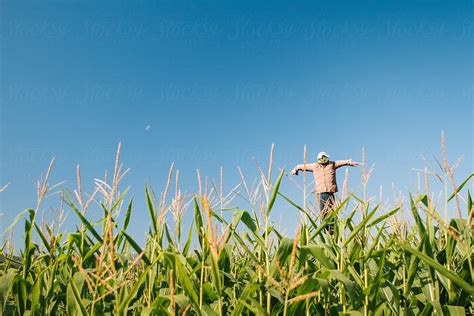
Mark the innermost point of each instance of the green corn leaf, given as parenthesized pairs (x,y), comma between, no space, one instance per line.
(383,217)
(167,234)
(252,226)
(318,253)
(348,284)
(216,279)
(128,214)
(75,304)
(273,195)
(72,239)
(137,248)
(20,294)
(459,188)
(29,246)
(249,222)
(392,295)
(43,238)
(374,243)
(118,239)
(218,217)
(92,250)
(255,307)
(328,219)
(377,280)
(324,284)
(455,310)
(151,210)
(440,269)
(349,218)
(355,275)
(198,221)
(284,250)
(124,304)
(432,306)
(299,208)
(236,217)
(15,221)
(250,288)
(246,249)
(35,297)
(186,281)
(208,311)
(83,219)
(358,199)
(469,202)
(359,227)
(413,269)
(120,198)
(272,229)
(197,215)
(6,283)
(187,245)
(427,249)
(418,220)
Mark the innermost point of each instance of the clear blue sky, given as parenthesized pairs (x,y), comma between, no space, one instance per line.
(219,82)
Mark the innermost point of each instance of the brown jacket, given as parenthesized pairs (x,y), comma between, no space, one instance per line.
(325,175)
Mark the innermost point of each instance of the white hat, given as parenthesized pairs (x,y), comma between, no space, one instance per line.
(322,154)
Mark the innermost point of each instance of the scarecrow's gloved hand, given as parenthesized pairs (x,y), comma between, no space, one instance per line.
(355,163)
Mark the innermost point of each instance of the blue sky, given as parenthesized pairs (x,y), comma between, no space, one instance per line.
(219,82)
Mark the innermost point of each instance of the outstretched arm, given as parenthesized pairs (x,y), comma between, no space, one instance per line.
(303,167)
(341,163)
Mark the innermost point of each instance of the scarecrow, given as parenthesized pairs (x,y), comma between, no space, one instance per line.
(324,171)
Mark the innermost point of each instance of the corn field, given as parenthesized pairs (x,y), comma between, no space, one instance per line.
(409,259)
